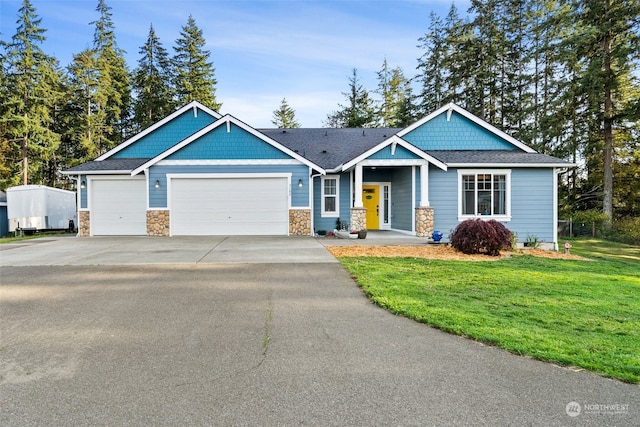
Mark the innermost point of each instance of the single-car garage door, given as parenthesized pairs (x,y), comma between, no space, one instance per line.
(229,206)
(118,207)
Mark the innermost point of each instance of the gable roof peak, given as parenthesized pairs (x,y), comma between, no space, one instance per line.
(450,108)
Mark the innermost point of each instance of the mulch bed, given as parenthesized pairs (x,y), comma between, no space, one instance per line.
(441,252)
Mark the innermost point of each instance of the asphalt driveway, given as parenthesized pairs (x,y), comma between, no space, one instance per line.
(251,332)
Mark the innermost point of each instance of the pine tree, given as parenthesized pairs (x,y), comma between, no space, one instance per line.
(285,116)
(359,111)
(113,77)
(152,83)
(32,85)
(194,74)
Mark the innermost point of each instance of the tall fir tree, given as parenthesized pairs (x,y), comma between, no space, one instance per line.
(359,111)
(431,66)
(32,88)
(393,89)
(285,116)
(113,77)
(152,83)
(194,78)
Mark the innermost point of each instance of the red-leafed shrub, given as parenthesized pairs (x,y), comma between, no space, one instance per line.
(476,236)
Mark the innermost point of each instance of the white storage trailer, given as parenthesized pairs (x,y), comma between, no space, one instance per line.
(38,207)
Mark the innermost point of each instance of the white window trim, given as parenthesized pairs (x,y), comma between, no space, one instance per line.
(323,212)
(506,172)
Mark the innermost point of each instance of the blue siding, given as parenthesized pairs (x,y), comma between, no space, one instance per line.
(531,202)
(166,136)
(459,133)
(220,144)
(329,224)
(83,194)
(299,196)
(401,199)
(401,153)
(443,196)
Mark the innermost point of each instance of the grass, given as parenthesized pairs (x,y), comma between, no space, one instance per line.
(583,314)
(12,239)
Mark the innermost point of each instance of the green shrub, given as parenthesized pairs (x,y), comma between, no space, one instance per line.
(476,236)
(628,228)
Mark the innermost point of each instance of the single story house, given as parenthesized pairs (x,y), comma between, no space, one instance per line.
(198,172)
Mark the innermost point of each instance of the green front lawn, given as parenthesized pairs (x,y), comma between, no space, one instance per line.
(574,313)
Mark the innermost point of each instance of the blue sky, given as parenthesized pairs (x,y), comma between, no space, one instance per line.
(262,51)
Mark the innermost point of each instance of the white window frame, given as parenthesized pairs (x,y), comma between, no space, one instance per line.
(324,212)
(464,172)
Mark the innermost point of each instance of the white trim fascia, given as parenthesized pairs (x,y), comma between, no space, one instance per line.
(508,165)
(236,162)
(401,162)
(226,119)
(395,139)
(192,105)
(475,119)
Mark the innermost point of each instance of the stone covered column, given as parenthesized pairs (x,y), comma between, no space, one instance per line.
(424,221)
(158,222)
(300,222)
(358,220)
(84,224)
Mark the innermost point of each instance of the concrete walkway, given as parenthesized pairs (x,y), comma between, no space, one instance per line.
(220,337)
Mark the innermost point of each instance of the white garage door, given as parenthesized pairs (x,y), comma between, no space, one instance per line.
(118,207)
(229,206)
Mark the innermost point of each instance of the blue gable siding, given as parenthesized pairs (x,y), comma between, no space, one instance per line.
(401,153)
(166,136)
(222,145)
(459,133)
(299,196)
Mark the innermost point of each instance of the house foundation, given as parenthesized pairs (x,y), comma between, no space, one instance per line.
(299,222)
(158,223)
(424,221)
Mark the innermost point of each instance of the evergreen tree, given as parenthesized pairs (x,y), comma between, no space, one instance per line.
(113,78)
(31,85)
(152,83)
(359,111)
(431,66)
(393,88)
(194,74)
(608,43)
(285,116)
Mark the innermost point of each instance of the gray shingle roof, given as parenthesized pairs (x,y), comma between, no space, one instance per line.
(330,147)
(506,157)
(119,165)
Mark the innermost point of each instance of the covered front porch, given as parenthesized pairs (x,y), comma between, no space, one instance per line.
(391,195)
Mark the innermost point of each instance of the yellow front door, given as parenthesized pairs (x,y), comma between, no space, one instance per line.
(371,201)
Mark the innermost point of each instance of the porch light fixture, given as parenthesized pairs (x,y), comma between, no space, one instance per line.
(157,183)
(83,184)
(300,183)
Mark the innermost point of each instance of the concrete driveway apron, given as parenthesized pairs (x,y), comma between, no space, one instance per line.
(251,331)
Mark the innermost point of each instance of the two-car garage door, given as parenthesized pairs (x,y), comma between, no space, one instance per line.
(229,205)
